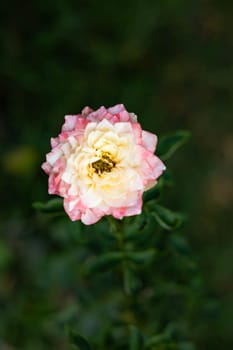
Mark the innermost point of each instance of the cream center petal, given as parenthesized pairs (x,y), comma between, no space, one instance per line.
(119,183)
(103,169)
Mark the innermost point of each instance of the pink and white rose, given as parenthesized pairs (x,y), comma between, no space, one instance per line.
(101,163)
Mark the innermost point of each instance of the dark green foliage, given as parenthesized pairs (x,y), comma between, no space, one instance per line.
(119,278)
(166,218)
(103,262)
(52,206)
(137,267)
(136,341)
(77,341)
(170,143)
(141,257)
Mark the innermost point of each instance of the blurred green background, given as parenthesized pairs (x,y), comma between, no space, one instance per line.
(168,61)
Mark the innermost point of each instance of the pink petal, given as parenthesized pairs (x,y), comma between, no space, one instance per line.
(70,121)
(149,140)
(117,109)
(89,217)
(72,208)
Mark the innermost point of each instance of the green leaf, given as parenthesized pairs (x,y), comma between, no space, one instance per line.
(167,179)
(180,245)
(185,346)
(166,218)
(78,341)
(131,282)
(170,143)
(136,341)
(142,257)
(52,206)
(133,226)
(158,340)
(153,193)
(103,262)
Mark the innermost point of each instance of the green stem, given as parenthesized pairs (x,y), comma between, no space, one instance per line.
(116,228)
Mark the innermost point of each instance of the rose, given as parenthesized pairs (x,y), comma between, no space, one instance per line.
(101,163)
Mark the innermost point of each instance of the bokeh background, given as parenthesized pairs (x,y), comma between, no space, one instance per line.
(170,62)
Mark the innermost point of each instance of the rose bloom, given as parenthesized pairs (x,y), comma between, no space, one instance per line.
(101,163)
